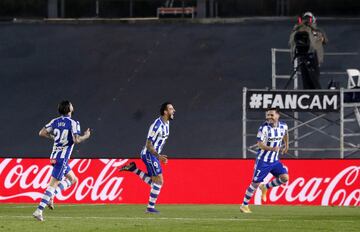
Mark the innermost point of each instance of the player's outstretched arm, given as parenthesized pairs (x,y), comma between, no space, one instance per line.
(150,147)
(82,138)
(44,133)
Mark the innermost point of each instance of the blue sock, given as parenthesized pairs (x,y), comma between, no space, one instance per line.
(46,197)
(62,185)
(145,177)
(154,193)
(275,182)
(249,193)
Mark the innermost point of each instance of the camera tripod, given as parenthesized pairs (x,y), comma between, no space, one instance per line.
(309,71)
(297,64)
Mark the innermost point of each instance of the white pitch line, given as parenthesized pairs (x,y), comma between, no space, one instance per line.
(179,219)
(143,218)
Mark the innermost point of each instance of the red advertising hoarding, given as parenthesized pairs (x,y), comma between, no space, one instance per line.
(198,181)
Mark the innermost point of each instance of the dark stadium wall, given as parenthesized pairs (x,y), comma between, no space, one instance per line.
(117,75)
(147,8)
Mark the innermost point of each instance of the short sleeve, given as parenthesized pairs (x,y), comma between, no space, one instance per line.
(78,128)
(154,131)
(286,128)
(75,127)
(262,133)
(50,126)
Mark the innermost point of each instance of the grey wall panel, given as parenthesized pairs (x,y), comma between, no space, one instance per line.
(117,75)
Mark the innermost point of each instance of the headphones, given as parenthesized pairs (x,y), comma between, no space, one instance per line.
(300,20)
(311,18)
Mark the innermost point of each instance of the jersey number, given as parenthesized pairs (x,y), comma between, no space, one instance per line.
(62,136)
(258,172)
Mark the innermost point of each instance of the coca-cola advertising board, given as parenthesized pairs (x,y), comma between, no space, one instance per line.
(198,181)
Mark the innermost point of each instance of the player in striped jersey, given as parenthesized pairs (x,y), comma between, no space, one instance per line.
(272,133)
(65,132)
(151,154)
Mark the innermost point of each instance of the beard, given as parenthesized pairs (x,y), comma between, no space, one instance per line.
(171,117)
(270,121)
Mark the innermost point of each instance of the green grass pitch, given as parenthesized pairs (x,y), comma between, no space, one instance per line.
(199,218)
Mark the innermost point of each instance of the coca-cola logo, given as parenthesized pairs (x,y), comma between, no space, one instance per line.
(342,189)
(32,180)
(24,180)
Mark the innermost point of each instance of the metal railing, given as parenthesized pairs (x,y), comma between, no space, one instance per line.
(340,128)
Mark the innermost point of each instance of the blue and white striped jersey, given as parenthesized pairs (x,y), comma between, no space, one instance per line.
(158,134)
(273,137)
(63,128)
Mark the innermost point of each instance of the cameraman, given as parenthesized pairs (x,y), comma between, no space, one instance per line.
(306,45)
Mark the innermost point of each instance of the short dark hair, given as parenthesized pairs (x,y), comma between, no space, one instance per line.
(64,107)
(276,109)
(164,107)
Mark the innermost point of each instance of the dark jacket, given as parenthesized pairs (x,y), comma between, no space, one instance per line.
(316,36)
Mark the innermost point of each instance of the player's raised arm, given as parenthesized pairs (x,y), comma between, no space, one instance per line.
(46,134)
(81,138)
(46,131)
